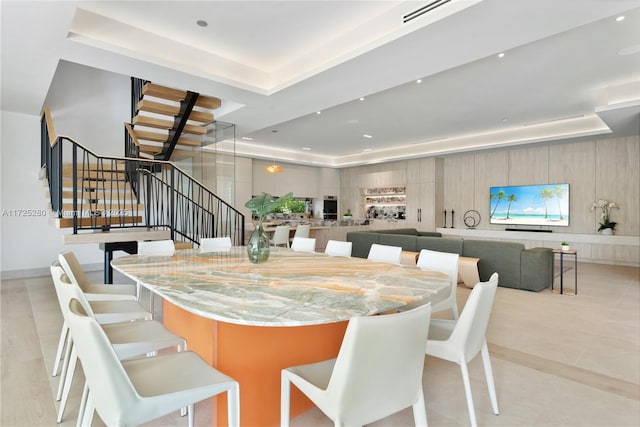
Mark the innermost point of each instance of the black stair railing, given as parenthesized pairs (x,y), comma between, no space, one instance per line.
(101,193)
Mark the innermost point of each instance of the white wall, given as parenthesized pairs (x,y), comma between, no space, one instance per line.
(27,242)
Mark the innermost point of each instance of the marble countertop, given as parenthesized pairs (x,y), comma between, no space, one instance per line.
(290,289)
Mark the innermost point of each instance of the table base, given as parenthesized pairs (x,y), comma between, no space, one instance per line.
(254,356)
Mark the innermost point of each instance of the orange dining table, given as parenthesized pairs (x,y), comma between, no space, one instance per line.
(252,320)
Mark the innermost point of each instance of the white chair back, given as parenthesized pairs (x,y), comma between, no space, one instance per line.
(385,253)
(303,244)
(156,247)
(281,236)
(459,341)
(73,269)
(446,263)
(302,230)
(469,333)
(212,244)
(379,356)
(338,248)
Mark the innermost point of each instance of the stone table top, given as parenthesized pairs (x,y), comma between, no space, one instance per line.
(290,289)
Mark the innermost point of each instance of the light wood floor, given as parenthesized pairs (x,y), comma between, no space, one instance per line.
(558,360)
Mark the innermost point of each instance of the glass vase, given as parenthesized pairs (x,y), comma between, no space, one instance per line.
(258,246)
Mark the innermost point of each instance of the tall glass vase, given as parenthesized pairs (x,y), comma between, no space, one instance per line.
(258,246)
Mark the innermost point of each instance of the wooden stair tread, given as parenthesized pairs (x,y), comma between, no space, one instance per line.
(163,138)
(98,221)
(95,175)
(121,194)
(118,167)
(123,235)
(183,245)
(103,205)
(158,91)
(170,110)
(98,185)
(156,123)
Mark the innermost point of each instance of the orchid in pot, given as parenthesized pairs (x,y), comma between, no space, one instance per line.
(606,225)
(258,244)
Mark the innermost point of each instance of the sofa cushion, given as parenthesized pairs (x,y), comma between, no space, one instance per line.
(362,241)
(430,233)
(406,231)
(536,269)
(407,243)
(439,244)
(503,257)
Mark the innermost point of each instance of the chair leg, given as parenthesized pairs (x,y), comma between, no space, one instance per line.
(285,395)
(83,404)
(233,405)
(488,372)
(63,339)
(191,411)
(87,419)
(467,391)
(67,380)
(420,411)
(65,366)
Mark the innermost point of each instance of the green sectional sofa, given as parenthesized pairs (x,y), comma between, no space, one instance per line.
(519,268)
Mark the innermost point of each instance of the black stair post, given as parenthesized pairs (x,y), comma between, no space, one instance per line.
(186,107)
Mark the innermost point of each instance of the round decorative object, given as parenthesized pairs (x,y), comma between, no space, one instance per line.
(471,218)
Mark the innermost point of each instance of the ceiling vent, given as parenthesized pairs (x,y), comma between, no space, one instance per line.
(422,10)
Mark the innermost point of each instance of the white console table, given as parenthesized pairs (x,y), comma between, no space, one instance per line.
(621,250)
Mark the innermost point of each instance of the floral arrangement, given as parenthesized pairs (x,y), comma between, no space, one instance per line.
(605,216)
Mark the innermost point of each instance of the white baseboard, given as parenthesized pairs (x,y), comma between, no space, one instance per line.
(40,272)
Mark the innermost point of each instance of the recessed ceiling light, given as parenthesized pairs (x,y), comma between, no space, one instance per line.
(367,149)
(620,18)
(501,55)
(629,50)
(318,112)
(366,135)
(361,99)
(202,23)
(306,148)
(247,138)
(419,81)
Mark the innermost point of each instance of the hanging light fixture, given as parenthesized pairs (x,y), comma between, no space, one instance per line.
(273,168)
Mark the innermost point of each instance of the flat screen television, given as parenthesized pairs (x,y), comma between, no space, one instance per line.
(545,204)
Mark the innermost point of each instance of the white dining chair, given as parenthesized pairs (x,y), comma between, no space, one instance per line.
(461,340)
(280,236)
(378,371)
(302,230)
(385,253)
(155,248)
(129,339)
(92,291)
(303,244)
(215,244)
(446,263)
(132,392)
(338,248)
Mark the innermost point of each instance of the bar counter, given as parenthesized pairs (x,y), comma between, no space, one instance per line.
(252,320)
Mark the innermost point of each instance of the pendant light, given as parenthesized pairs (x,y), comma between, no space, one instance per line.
(273,168)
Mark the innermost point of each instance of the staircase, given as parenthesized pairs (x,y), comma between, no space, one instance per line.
(166,120)
(121,199)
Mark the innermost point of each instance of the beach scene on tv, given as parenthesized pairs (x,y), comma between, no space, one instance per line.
(546,204)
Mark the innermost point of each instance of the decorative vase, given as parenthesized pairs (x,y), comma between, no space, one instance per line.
(258,246)
(608,231)
(565,247)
